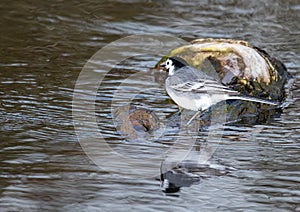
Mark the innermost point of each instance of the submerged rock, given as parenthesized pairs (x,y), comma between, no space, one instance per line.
(135,123)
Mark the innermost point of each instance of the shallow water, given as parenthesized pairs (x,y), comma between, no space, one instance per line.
(44,46)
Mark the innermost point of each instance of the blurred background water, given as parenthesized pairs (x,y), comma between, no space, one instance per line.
(45,44)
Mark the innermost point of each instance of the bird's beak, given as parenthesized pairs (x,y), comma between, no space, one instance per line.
(162,65)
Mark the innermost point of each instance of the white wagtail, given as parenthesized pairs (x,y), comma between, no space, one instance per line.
(192,89)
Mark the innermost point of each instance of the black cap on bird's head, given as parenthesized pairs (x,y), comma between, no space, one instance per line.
(173,63)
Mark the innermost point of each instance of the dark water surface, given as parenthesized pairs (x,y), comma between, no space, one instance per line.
(45,44)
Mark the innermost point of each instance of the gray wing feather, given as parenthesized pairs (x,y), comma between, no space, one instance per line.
(203,86)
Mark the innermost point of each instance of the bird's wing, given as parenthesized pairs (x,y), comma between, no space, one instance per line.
(188,79)
(188,86)
(217,87)
(203,86)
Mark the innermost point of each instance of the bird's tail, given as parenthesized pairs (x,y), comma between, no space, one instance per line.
(254,99)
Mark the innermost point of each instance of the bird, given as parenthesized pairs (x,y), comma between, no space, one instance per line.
(192,89)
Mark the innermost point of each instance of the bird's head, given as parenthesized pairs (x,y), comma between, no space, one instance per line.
(173,63)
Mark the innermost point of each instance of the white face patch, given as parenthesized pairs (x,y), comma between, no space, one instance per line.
(170,66)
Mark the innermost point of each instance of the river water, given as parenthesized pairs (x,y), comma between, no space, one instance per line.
(44,46)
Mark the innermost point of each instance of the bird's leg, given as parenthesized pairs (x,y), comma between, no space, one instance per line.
(194,116)
(180,109)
